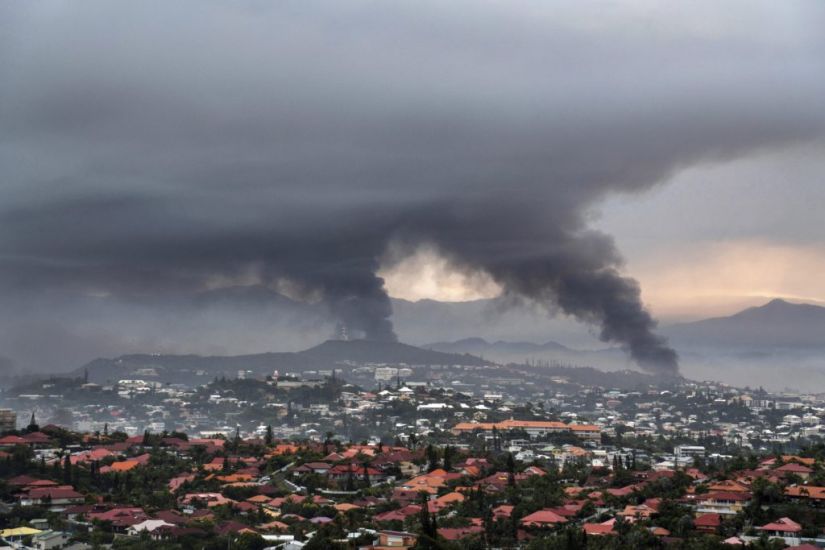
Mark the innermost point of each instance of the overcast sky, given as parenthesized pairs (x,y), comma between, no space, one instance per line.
(554,151)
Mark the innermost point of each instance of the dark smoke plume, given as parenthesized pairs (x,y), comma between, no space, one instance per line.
(152,151)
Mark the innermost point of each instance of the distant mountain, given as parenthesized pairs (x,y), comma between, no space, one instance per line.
(495,319)
(189,368)
(777,324)
(550,352)
(365,351)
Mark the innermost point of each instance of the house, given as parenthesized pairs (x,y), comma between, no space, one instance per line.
(728,486)
(37,439)
(503,511)
(210,499)
(12,441)
(345,507)
(707,523)
(274,526)
(342,472)
(120,466)
(320,468)
(48,540)
(783,527)
(792,468)
(809,493)
(55,498)
(399,515)
(429,483)
(801,460)
(442,502)
(121,517)
(600,529)
(149,525)
(28,482)
(640,511)
(396,539)
(724,503)
(171,516)
(586,432)
(543,519)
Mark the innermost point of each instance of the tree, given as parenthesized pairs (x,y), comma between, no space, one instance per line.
(67,470)
(268,437)
(236,443)
(32,427)
(350,479)
(496,439)
(366,474)
(511,470)
(448,458)
(432,458)
(428,532)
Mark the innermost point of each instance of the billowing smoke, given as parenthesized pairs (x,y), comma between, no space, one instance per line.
(158,150)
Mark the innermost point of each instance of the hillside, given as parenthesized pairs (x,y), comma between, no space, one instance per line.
(364,351)
(504,351)
(198,368)
(777,324)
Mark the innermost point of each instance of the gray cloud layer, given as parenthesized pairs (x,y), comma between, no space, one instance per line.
(152,149)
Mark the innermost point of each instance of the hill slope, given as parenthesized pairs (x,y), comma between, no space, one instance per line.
(777,324)
(197,368)
(504,351)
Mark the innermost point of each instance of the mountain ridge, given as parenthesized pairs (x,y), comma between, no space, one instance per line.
(175,368)
(775,324)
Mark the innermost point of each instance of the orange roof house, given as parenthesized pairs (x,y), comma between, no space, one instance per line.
(120,466)
(809,492)
(543,518)
(793,468)
(729,486)
(801,460)
(284,449)
(444,501)
(345,507)
(600,529)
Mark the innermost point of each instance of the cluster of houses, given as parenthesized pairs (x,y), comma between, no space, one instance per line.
(287,492)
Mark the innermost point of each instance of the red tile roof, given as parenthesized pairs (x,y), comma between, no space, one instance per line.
(542,518)
(599,529)
(708,520)
(782,525)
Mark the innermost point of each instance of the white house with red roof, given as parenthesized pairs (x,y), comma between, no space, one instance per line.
(784,528)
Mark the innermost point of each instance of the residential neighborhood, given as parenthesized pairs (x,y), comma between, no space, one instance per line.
(327,464)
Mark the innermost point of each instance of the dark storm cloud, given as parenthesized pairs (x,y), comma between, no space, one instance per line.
(156,148)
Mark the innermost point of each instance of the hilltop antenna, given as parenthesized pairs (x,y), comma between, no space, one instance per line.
(342,333)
